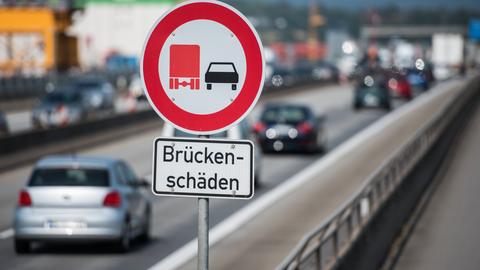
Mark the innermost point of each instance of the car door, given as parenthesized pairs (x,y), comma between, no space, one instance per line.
(138,201)
(127,191)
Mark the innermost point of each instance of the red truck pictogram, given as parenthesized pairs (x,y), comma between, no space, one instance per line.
(184,66)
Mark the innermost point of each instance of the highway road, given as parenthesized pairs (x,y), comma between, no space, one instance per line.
(446,235)
(175,218)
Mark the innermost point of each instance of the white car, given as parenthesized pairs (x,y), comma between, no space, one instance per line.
(242,131)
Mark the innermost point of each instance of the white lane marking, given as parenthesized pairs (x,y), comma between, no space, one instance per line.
(242,216)
(7,233)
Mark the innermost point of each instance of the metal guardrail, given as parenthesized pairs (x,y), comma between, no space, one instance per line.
(324,246)
(21,87)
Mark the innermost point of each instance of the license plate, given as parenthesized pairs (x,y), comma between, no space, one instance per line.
(65,224)
(282,130)
(371,100)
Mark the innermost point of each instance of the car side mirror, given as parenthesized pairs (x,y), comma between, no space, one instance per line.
(143,182)
(140,183)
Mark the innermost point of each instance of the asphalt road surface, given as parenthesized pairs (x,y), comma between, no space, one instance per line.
(174,218)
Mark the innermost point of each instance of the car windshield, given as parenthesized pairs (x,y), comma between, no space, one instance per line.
(284,115)
(226,67)
(69,177)
(62,97)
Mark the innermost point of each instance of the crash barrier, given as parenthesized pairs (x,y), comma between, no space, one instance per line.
(21,87)
(327,246)
(35,138)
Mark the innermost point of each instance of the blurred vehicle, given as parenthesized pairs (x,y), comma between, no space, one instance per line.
(97,92)
(242,131)
(421,76)
(325,71)
(417,79)
(447,54)
(3,124)
(71,198)
(372,91)
(303,71)
(60,108)
(289,127)
(399,85)
(346,65)
(135,89)
(278,76)
(121,63)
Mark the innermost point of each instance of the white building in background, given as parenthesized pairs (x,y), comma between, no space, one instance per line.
(105,27)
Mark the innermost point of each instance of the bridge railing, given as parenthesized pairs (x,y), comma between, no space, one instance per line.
(323,247)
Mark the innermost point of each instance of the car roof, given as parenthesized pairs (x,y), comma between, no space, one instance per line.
(74,160)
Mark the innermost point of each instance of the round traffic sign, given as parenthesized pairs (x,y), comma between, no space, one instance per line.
(202,66)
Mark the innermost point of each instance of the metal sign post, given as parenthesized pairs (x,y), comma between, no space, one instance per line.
(203,226)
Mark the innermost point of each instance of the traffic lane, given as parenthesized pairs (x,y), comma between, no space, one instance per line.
(446,235)
(137,150)
(175,218)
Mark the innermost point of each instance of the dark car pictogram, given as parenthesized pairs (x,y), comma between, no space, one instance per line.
(221,72)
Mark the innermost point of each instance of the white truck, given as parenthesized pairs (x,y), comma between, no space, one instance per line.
(447,54)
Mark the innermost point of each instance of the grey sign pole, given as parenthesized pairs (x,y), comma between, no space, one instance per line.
(203,216)
(203,227)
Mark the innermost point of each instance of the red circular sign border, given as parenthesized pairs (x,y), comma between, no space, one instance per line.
(252,87)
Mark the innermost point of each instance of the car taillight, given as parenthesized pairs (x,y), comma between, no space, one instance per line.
(304,128)
(259,127)
(61,109)
(112,199)
(24,199)
(393,84)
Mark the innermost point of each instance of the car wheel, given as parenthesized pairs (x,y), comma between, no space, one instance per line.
(123,244)
(22,246)
(388,107)
(234,87)
(145,236)
(209,86)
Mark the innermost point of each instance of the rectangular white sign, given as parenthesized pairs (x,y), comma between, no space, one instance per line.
(203,168)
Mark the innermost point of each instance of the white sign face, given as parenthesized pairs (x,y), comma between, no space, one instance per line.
(226,67)
(203,168)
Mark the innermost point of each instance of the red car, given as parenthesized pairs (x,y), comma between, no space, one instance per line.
(399,85)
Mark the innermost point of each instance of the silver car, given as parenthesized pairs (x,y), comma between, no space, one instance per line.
(60,108)
(70,198)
